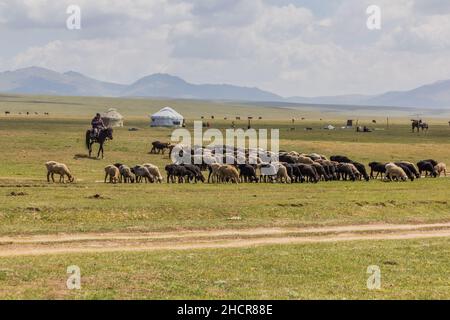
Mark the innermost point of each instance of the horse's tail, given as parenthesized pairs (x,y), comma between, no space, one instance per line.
(88,139)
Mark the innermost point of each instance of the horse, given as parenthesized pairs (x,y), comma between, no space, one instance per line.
(419,124)
(103,135)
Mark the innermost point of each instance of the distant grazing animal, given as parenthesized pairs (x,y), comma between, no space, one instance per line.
(394,172)
(228,173)
(113,173)
(141,174)
(178,173)
(196,172)
(348,171)
(305,160)
(59,168)
(104,134)
(309,173)
(441,168)
(125,174)
(411,176)
(247,173)
(7,112)
(159,147)
(154,171)
(282,175)
(321,171)
(427,167)
(378,168)
(362,170)
(340,159)
(411,168)
(213,172)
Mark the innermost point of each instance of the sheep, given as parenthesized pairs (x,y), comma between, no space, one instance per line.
(348,170)
(113,172)
(395,172)
(340,159)
(142,172)
(309,172)
(228,173)
(305,160)
(154,171)
(321,171)
(125,174)
(427,167)
(179,172)
(282,175)
(58,168)
(362,170)
(379,168)
(405,168)
(247,173)
(441,168)
(214,172)
(411,168)
(196,172)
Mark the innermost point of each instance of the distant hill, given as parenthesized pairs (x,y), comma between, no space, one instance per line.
(36,80)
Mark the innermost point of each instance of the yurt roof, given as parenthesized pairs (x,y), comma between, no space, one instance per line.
(112,114)
(167,113)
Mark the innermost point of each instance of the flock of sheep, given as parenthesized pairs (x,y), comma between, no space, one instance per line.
(244,166)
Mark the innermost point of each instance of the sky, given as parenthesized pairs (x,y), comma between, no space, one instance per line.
(289,47)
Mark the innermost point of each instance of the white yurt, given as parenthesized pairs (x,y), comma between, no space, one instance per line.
(112,118)
(166,117)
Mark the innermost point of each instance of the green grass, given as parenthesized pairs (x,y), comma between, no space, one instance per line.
(286,272)
(409,270)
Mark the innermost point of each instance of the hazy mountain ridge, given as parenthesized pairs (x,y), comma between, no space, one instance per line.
(36,80)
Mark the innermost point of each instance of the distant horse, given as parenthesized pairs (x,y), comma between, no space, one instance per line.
(419,124)
(103,135)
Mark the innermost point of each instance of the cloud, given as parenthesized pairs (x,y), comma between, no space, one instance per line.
(298,47)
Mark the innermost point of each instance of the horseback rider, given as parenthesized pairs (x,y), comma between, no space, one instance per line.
(97,125)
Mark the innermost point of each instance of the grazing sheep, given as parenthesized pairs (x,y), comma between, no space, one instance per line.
(348,171)
(178,172)
(228,173)
(394,172)
(113,172)
(362,170)
(340,159)
(125,174)
(297,174)
(282,175)
(160,147)
(379,168)
(441,168)
(214,172)
(305,160)
(411,168)
(154,171)
(196,172)
(427,167)
(58,168)
(142,173)
(321,171)
(411,176)
(247,173)
(309,172)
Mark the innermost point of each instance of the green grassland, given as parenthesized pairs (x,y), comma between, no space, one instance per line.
(301,271)
(410,269)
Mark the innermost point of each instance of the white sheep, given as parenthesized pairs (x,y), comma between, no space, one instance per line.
(125,174)
(154,171)
(113,172)
(441,168)
(395,172)
(58,168)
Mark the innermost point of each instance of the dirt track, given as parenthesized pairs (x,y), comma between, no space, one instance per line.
(111,242)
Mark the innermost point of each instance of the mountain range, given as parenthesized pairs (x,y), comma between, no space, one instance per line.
(36,80)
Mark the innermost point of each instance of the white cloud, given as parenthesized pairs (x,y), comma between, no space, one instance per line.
(284,48)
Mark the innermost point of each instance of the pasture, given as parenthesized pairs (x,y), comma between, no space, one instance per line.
(31,207)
